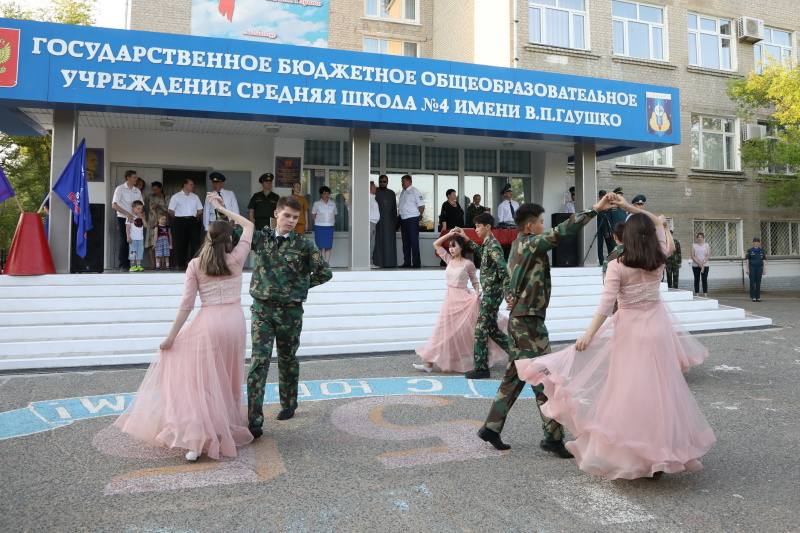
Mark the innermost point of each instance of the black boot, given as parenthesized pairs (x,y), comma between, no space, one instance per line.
(285,414)
(493,438)
(556,447)
(478,374)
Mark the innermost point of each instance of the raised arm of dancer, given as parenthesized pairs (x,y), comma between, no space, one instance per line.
(247,226)
(437,244)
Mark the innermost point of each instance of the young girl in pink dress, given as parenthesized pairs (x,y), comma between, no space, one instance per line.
(620,389)
(191,394)
(451,345)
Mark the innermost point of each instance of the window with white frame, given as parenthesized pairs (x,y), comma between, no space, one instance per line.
(393,48)
(723,237)
(558,23)
(781,237)
(661,157)
(775,133)
(714,143)
(401,10)
(638,30)
(710,42)
(775,48)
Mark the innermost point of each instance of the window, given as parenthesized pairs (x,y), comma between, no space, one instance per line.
(441,158)
(477,160)
(403,10)
(713,143)
(662,157)
(723,237)
(392,48)
(710,42)
(775,134)
(557,22)
(776,47)
(638,30)
(780,237)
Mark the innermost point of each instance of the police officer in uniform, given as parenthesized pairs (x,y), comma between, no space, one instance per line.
(263,203)
(756,267)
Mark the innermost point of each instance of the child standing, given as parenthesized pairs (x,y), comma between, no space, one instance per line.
(163,243)
(756,267)
(134,229)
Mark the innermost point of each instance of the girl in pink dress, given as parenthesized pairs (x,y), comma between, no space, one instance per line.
(451,345)
(191,394)
(620,389)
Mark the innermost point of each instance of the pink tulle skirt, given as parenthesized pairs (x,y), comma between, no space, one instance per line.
(625,399)
(451,345)
(191,396)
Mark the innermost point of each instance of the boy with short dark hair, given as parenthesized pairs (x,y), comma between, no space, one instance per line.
(528,298)
(134,231)
(286,266)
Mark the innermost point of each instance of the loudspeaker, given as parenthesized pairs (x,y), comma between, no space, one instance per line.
(95,242)
(566,253)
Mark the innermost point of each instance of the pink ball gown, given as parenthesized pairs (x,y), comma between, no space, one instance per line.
(451,345)
(624,398)
(191,396)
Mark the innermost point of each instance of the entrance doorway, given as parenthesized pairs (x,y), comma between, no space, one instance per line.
(174,178)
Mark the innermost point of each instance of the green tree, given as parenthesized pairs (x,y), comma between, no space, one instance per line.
(26,160)
(775,92)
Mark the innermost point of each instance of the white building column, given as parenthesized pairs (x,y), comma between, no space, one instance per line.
(549,181)
(359,199)
(65,139)
(585,193)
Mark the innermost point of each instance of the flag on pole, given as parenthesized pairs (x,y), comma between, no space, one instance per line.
(71,187)
(6,191)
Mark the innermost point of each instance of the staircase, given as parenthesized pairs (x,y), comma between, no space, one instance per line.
(120,318)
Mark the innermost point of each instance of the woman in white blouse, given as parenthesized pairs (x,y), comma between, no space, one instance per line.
(323,213)
(700,255)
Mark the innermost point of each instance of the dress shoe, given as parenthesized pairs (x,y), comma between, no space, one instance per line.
(423,368)
(478,374)
(556,447)
(404,266)
(416,266)
(255,431)
(285,414)
(192,456)
(493,438)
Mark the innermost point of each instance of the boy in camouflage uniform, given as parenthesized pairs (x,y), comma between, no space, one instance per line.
(673,265)
(494,282)
(528,298)
(286,265)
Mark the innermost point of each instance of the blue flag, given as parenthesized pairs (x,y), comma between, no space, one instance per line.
(72,188)
(6,191)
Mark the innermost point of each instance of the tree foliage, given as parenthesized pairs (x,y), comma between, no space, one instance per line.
(26,160)
(774,92)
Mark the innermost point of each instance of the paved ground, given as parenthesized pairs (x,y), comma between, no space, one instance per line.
(372,450)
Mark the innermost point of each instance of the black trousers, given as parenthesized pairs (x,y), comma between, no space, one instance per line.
(185,234)
(697,276)
(123,243)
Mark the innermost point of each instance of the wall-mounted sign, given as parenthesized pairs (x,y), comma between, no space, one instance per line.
(287,171)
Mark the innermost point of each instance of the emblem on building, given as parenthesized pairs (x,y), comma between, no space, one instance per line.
(659,113)
(9,56)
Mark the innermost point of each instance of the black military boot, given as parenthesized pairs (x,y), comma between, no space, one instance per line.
(493,438)
(556,447)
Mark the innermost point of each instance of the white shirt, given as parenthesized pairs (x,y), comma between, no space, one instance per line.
(569,207)
(504,211)
(374,210)
(210,212)
(137,233)
(410,202)
(124,197)
(325,213)
(185,205)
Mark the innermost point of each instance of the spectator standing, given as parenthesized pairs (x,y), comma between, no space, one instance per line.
(451,215)
(122,203)
(639,200)
(302,222)
(374,218)
(134,231)
(263,204)
(385,255)
(210,214)
(163,246)
(324,212)
(507,208)
(156,206)
(411,206)
(700,255)
(674,264)
(474,209)
(569,205)
(756,267)
(186,209)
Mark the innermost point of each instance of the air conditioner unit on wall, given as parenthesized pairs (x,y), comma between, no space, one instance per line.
(753,131)
(750,30)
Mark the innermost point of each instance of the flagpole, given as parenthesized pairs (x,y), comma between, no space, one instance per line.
(46,198)
(22,211)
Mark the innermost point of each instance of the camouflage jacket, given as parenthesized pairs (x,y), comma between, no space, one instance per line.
(284,275)
(529,267)
(674,261)
(494,270)
(615,253)
(472,212)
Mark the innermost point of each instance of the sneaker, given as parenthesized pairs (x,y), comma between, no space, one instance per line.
(133,269)
(423,368)
(374,266)
(192,456)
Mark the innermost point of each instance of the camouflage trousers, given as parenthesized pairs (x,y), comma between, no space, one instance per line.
(529,339)
(487,328)
(281,323)
(672,276)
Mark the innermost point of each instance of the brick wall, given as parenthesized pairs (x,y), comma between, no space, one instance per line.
(165,16)
(454,30)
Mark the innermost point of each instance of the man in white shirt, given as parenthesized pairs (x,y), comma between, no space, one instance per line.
(185,209)
(374,218)
(507,208)
(122,203)
(228,200)
(569,206)
(410,207)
